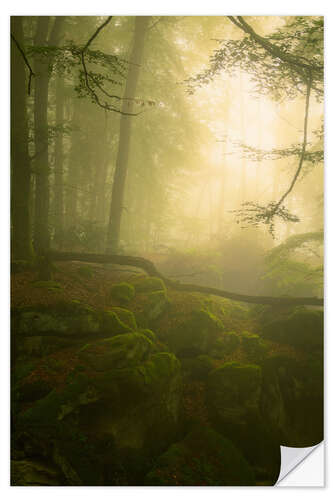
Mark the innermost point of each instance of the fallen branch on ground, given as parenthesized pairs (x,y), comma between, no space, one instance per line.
(150,269)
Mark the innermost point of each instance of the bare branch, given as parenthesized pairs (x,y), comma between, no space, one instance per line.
(104,105)
(31,73)
(302,156)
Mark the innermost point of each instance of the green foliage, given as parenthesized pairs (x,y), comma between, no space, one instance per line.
(203,458)
(295,266)
(272,75)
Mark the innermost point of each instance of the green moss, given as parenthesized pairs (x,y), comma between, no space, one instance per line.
(239,378)
(203,458)
(196,335)
(86,272)
(149,284)
(126,317)
(227,343)
(47,284)
(199,367)
(157,302)
(121,351)
(148,333)
(123,292)
(303,328)
(253,345)
(111,323)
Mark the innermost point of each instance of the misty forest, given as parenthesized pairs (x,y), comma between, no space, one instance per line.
(166,248)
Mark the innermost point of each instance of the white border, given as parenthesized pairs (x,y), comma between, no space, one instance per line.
(127,7)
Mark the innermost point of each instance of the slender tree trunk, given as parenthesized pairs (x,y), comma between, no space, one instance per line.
(243,181)
(73,176)
(58,166)
(119,180)
(42,65)
(20,166)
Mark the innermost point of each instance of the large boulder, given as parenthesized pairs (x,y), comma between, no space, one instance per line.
(203,458)
(117,409)
(196,335)
(233,399)
(303,329)
(292,399)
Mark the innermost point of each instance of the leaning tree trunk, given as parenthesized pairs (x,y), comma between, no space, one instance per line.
(20,165)
(42,194)
(119,180)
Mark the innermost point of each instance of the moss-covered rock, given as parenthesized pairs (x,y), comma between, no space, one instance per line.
(199,367)
(121,400)
(196,335)
(254,346)
(303,329)
(225,344)
(117,320)
(203,458)
(234,404)
(157,303)
(148,284)
(116,352)
(126,317)
(59,319)
(292,399)
(148,333)
(122,292)
(34,473)
(86,272)
(49,285)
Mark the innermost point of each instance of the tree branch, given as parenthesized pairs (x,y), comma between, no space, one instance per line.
(31,73)
(105,105)
(274,50)
(149,267)
(302,156)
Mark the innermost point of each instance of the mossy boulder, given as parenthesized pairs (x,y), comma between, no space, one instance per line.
(148,284)
(234,404)
(34,473)
(196,335)
(117,320)
(86,272)
(148,333)
(117,409)
(293,399)
(236,386)
(157,303)
(254,346)
(199,367)
(122,292)
(60,319)
(203,458)
(303,328)
(225,344)
(48,285)
(116,352)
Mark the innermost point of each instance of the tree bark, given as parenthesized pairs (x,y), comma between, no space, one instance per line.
(21,247)
(58,166)
(118,188)
(42,195)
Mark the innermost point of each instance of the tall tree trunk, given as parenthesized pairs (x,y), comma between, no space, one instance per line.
(42,65)
(243,180)
(58,166)
(20,165)
(73,176)
(117,200)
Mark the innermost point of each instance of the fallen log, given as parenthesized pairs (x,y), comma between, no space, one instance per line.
(150,269)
